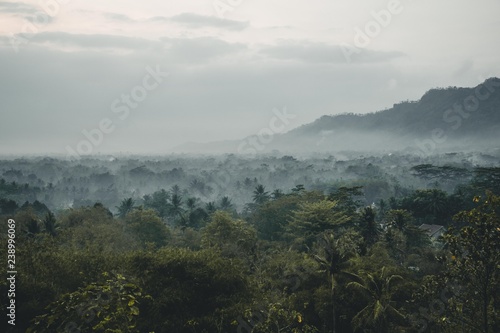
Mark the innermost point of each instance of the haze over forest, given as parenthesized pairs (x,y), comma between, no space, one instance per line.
(66,66)
(233,166)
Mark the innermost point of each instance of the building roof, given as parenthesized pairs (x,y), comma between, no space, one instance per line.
(431,229)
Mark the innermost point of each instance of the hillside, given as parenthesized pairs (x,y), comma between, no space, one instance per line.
(444,118)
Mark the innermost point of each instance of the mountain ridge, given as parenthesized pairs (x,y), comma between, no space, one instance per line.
(442,116)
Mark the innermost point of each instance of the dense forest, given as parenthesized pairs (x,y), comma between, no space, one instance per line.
(344,243)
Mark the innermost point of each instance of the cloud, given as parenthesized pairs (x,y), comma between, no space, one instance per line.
(93,40)
(196,21)
(28,12)
(118,17)
(175,50)
(17,8)
(199,49)
(321,53)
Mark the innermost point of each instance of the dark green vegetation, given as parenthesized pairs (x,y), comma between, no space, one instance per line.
(226,244)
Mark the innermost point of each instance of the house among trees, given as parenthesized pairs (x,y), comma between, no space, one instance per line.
(434,231)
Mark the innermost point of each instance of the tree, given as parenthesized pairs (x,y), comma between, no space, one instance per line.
(193,291)
(430,206)
(197,217)
(158,201)
(277,194)
(108,307)
(312,218)
(369,228)
(232,237)
(447,172)
(271,218)
(347,198)
(475,262)
(50,224)
(175,190)
(378,310)
(225,203)
(260,196)
(487,179)
(191,204)
(333,255)
(399,219)
(28,222)
(76,217)
(175,208)
(210,207)
(8,207)
(148,227)
(126,206)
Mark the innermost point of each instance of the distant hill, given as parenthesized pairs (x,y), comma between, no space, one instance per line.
(445,118)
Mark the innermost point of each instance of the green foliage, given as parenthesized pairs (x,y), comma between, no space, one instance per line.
(378,312)
(50,224)
(431,206)
(158,201)
(148,227)
(399,219)
(292,262)
(110,307)
(279,318)
(347,198)
(126,206)
(313,218)
(271,218)
(260,196)
(475,262)
(76,217)
(234,238)
(192,290)
(369,227)
(487,179)
(8,206)
(433,172)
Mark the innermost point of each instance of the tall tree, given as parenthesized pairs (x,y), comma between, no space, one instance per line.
(225,203)
(260,195)
(369,228)
(312,218)
(333,255)
(126,206)
(176,210)
(475,262)
(50,224)
(378,310)
(347,198)
(148,227)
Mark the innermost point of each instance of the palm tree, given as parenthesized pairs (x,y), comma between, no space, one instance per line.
(158,201)
(260,196)
(210,207)
(435,202)
(369,227)
(191,203)
(225,203)
(32,227)
(277,194)
(126,206)
(399,219)
(175,208)
(175,190)
(334,260)
(49,223)
(379,310)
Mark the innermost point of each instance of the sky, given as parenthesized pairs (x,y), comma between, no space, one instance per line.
(100,76)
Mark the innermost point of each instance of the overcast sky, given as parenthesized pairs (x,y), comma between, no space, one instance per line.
(67,67)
